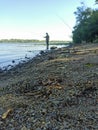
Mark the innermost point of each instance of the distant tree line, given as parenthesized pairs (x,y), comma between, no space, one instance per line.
(86,28)
(18,40)
(56,42)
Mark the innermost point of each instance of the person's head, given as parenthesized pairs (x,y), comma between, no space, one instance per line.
(46,33)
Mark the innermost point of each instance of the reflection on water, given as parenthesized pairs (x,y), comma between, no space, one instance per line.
(17,52)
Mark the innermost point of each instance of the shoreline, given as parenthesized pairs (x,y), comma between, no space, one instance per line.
(55,90)
(21,61)
(7,63)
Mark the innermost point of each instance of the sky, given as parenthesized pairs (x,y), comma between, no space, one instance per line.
(31,19)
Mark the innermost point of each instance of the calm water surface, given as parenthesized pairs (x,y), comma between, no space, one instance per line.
(19,52)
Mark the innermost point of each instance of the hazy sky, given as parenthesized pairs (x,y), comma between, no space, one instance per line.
(33,18)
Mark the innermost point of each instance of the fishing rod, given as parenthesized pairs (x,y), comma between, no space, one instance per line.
(64,22)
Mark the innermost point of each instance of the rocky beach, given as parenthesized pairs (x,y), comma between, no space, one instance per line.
(56,90)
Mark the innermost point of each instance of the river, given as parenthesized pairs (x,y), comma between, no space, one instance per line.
(18,52)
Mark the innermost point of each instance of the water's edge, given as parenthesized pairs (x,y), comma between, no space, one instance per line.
(12,54)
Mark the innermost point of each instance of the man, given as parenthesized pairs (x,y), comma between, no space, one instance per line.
(47,40)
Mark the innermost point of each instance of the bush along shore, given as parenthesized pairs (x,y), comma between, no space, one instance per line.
(56,90)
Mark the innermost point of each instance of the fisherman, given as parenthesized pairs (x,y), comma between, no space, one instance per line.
(47,41)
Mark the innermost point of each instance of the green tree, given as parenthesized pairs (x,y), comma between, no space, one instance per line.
(93,25)
(80,29)
(96,1)
(86,28)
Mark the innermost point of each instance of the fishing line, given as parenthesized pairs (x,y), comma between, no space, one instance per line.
(64,22)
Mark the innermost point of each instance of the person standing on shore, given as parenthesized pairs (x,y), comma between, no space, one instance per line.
(47,41)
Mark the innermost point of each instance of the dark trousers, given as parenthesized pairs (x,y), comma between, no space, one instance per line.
(47,44)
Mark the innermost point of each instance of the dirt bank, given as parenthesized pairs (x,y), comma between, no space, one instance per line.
(57,90)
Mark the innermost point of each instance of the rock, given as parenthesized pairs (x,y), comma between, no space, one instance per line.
(24,128)
(1,71)
(53,48)
(13,61)
(42,52)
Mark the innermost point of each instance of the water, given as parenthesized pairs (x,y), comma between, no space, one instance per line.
(19,52)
